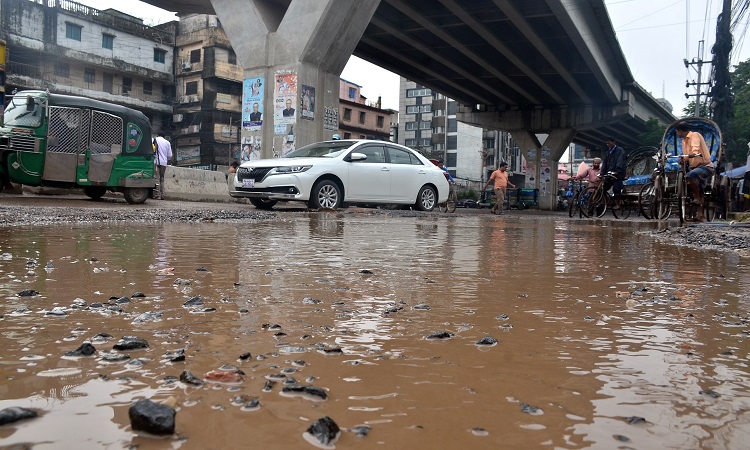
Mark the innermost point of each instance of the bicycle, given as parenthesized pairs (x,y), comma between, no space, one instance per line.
(688,205)
(450,204)
(596,201)
(575,201)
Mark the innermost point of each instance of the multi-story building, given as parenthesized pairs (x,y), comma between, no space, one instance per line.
(207,110)
(428,124)
(69,48)
(360,119)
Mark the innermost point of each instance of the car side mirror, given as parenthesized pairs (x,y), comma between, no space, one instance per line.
(30,103)
(357,157)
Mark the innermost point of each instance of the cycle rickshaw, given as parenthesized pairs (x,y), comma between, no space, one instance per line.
(668,189)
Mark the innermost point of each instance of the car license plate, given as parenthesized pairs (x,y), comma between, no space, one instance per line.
(248,183)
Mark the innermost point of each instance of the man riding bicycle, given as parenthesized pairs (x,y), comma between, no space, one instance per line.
(696,155)
(447,174)
(615,162)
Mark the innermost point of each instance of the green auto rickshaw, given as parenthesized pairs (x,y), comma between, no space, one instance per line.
(64,141)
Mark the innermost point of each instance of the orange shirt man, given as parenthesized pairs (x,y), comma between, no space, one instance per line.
(500,177)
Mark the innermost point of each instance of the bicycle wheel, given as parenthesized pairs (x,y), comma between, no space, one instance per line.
(443,207)
(663,204)
(593,202)
(647,200)
(602,200)
(573,207)
(682,198)
(625,207)
(450,205)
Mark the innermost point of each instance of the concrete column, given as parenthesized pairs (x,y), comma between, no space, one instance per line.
(291,56)
(542,160)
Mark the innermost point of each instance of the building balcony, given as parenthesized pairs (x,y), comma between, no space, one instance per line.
(438,122)
(226,71)
(437,138)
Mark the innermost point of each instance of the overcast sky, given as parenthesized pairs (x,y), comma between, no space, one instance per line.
(655,36)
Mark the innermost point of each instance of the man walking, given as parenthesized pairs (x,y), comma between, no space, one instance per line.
(500,176)
(163,155)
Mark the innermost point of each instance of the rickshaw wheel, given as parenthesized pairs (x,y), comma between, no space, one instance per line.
(135,196)
(94,192)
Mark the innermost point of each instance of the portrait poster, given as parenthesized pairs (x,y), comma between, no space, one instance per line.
(285,98)
(307,102)
(252,103)
(331,118)
(250,149)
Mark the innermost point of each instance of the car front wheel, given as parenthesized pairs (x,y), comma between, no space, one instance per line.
(325,194)
(426,199)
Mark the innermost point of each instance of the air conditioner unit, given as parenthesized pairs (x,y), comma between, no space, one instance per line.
(186,65)
(176,118)
(193,98)
(182,99)
(194,129)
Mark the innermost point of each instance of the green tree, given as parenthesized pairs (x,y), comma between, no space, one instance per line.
(689,110)
(737,134)
(651,137)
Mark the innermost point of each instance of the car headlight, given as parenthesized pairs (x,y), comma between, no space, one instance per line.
(292,169)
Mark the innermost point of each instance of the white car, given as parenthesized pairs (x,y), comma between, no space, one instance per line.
(329,174)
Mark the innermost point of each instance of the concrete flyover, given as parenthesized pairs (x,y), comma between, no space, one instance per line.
(530,67)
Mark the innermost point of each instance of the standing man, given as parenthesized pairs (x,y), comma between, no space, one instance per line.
(592,173)
(614,161)
(696,155)
(163,155)
(500,176)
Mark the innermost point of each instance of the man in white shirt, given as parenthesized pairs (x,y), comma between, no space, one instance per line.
(163,155)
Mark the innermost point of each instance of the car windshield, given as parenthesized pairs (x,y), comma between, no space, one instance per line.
(17,114)
(320,150)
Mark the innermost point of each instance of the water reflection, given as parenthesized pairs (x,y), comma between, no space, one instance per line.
(597,325)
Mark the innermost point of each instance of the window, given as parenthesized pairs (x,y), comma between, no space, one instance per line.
(347,114)
(108,41)
(361,117)
(425,142)
(347,135)
(451,159)
(398,156)
(410,142)
(148,88)
(89,75)
(195,56)
(127,85)
(352,93)
(425,108)
(414,109)
(191,88)
(452,108)
(489,143)
(452,142)
(380,121)
(160,55)
(62,69)
(452,125)
(73,31)
(411,126)
(425,125)
(108,83)
(232,57)
(375,153)
(418,92)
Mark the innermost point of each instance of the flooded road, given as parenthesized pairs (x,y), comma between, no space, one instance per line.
(605,337)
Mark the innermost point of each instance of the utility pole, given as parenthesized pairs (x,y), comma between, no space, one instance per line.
(699,62)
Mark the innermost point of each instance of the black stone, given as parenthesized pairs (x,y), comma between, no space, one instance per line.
(360,431)
(635,420)
(487,340)
(269,385)
(201,269)
(324,430)
(188,378)
(307,390)
(152,417)
(195,301)
(440,335)
(176,356)
(15,413)
(123,300)
(366,271)
(131,343)
(138,294)
(245,356)
(85,349)
(28,293)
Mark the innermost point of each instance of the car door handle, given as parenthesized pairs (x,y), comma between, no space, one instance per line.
(422,172)
(385,169)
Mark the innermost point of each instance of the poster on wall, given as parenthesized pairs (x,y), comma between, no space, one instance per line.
(307,102)
(250,148)
(285,98)
(252,103)
(331,118)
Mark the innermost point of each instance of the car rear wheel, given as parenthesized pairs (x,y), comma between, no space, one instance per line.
(94,192)
(262,203)
(325,194)
(426,199)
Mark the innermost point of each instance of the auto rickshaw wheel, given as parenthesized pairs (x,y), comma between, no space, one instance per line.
(135,196)
(94,192)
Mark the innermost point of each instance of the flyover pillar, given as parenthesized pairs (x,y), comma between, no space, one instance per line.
(292,58)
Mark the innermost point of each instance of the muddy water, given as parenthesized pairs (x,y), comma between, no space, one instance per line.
(606,338)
